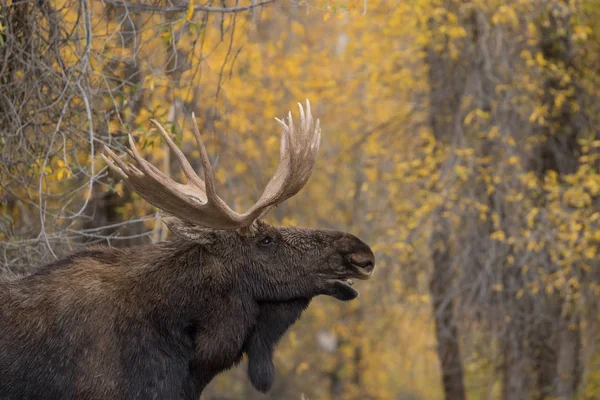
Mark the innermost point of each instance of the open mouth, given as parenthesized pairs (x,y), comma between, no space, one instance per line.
(342,289)
(361,268)
(361,274)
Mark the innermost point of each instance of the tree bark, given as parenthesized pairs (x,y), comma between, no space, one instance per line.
(514,366)
(556,359)
(446,331)
(447,82)
(568,365)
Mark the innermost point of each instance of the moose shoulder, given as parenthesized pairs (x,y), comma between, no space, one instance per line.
(160,321)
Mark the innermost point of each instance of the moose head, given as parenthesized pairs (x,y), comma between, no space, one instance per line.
(281,263)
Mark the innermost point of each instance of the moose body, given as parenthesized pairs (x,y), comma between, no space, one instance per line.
(112,324)
(161,321)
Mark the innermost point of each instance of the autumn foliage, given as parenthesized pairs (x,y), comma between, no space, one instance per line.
(460,139)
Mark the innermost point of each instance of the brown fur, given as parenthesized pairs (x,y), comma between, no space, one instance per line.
(160,321)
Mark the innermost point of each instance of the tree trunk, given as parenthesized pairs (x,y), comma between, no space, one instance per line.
(556,359)
(568,365)
(543,350)
(446,332)
(514,366)
(447,82)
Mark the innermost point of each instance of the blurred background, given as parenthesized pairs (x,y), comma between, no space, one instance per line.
(460,140)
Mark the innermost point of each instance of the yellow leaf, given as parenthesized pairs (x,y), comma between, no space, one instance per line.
(462,172)
(221,177)
(190,11)
(326,16)
(301,368)
(531,217)
(371,174)
(498,235)
(120,189)
(240,167)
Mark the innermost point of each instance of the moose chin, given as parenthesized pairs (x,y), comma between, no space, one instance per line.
(161,321)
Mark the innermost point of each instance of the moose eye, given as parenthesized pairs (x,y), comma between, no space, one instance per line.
(267,240)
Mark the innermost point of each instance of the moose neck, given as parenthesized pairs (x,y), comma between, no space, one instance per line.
(209,314)
(194,300)
(179,282)
(183,275)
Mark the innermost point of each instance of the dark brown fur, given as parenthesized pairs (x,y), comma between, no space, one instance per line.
(160,321)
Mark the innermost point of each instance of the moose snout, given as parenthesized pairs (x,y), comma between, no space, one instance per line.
(362,262)
(360,257)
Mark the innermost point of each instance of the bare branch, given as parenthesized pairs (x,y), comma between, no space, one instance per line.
(136,7)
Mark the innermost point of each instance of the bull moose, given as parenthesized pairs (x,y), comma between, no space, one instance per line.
(160,321)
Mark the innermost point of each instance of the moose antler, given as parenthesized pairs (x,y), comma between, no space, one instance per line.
(197,200)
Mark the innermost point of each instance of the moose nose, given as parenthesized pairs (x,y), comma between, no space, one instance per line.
(358,255)
(364,261)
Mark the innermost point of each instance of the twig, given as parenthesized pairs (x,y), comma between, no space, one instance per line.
(136,7)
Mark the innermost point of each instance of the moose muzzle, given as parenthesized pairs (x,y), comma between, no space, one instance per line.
(359,263)
(358,256)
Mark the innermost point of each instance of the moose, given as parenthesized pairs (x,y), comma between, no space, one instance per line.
(161,321)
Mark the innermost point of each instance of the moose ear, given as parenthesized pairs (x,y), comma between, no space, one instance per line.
(188,231)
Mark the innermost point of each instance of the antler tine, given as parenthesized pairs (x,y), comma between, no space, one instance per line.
(188,170)
(111,163)
(151,184)
(299,148)
(209,175)
(315,140)
(147,168)
(302,116)
(129,152)
(285,139)
(152,167)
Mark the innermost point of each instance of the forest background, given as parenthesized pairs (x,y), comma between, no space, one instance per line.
(460,139)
